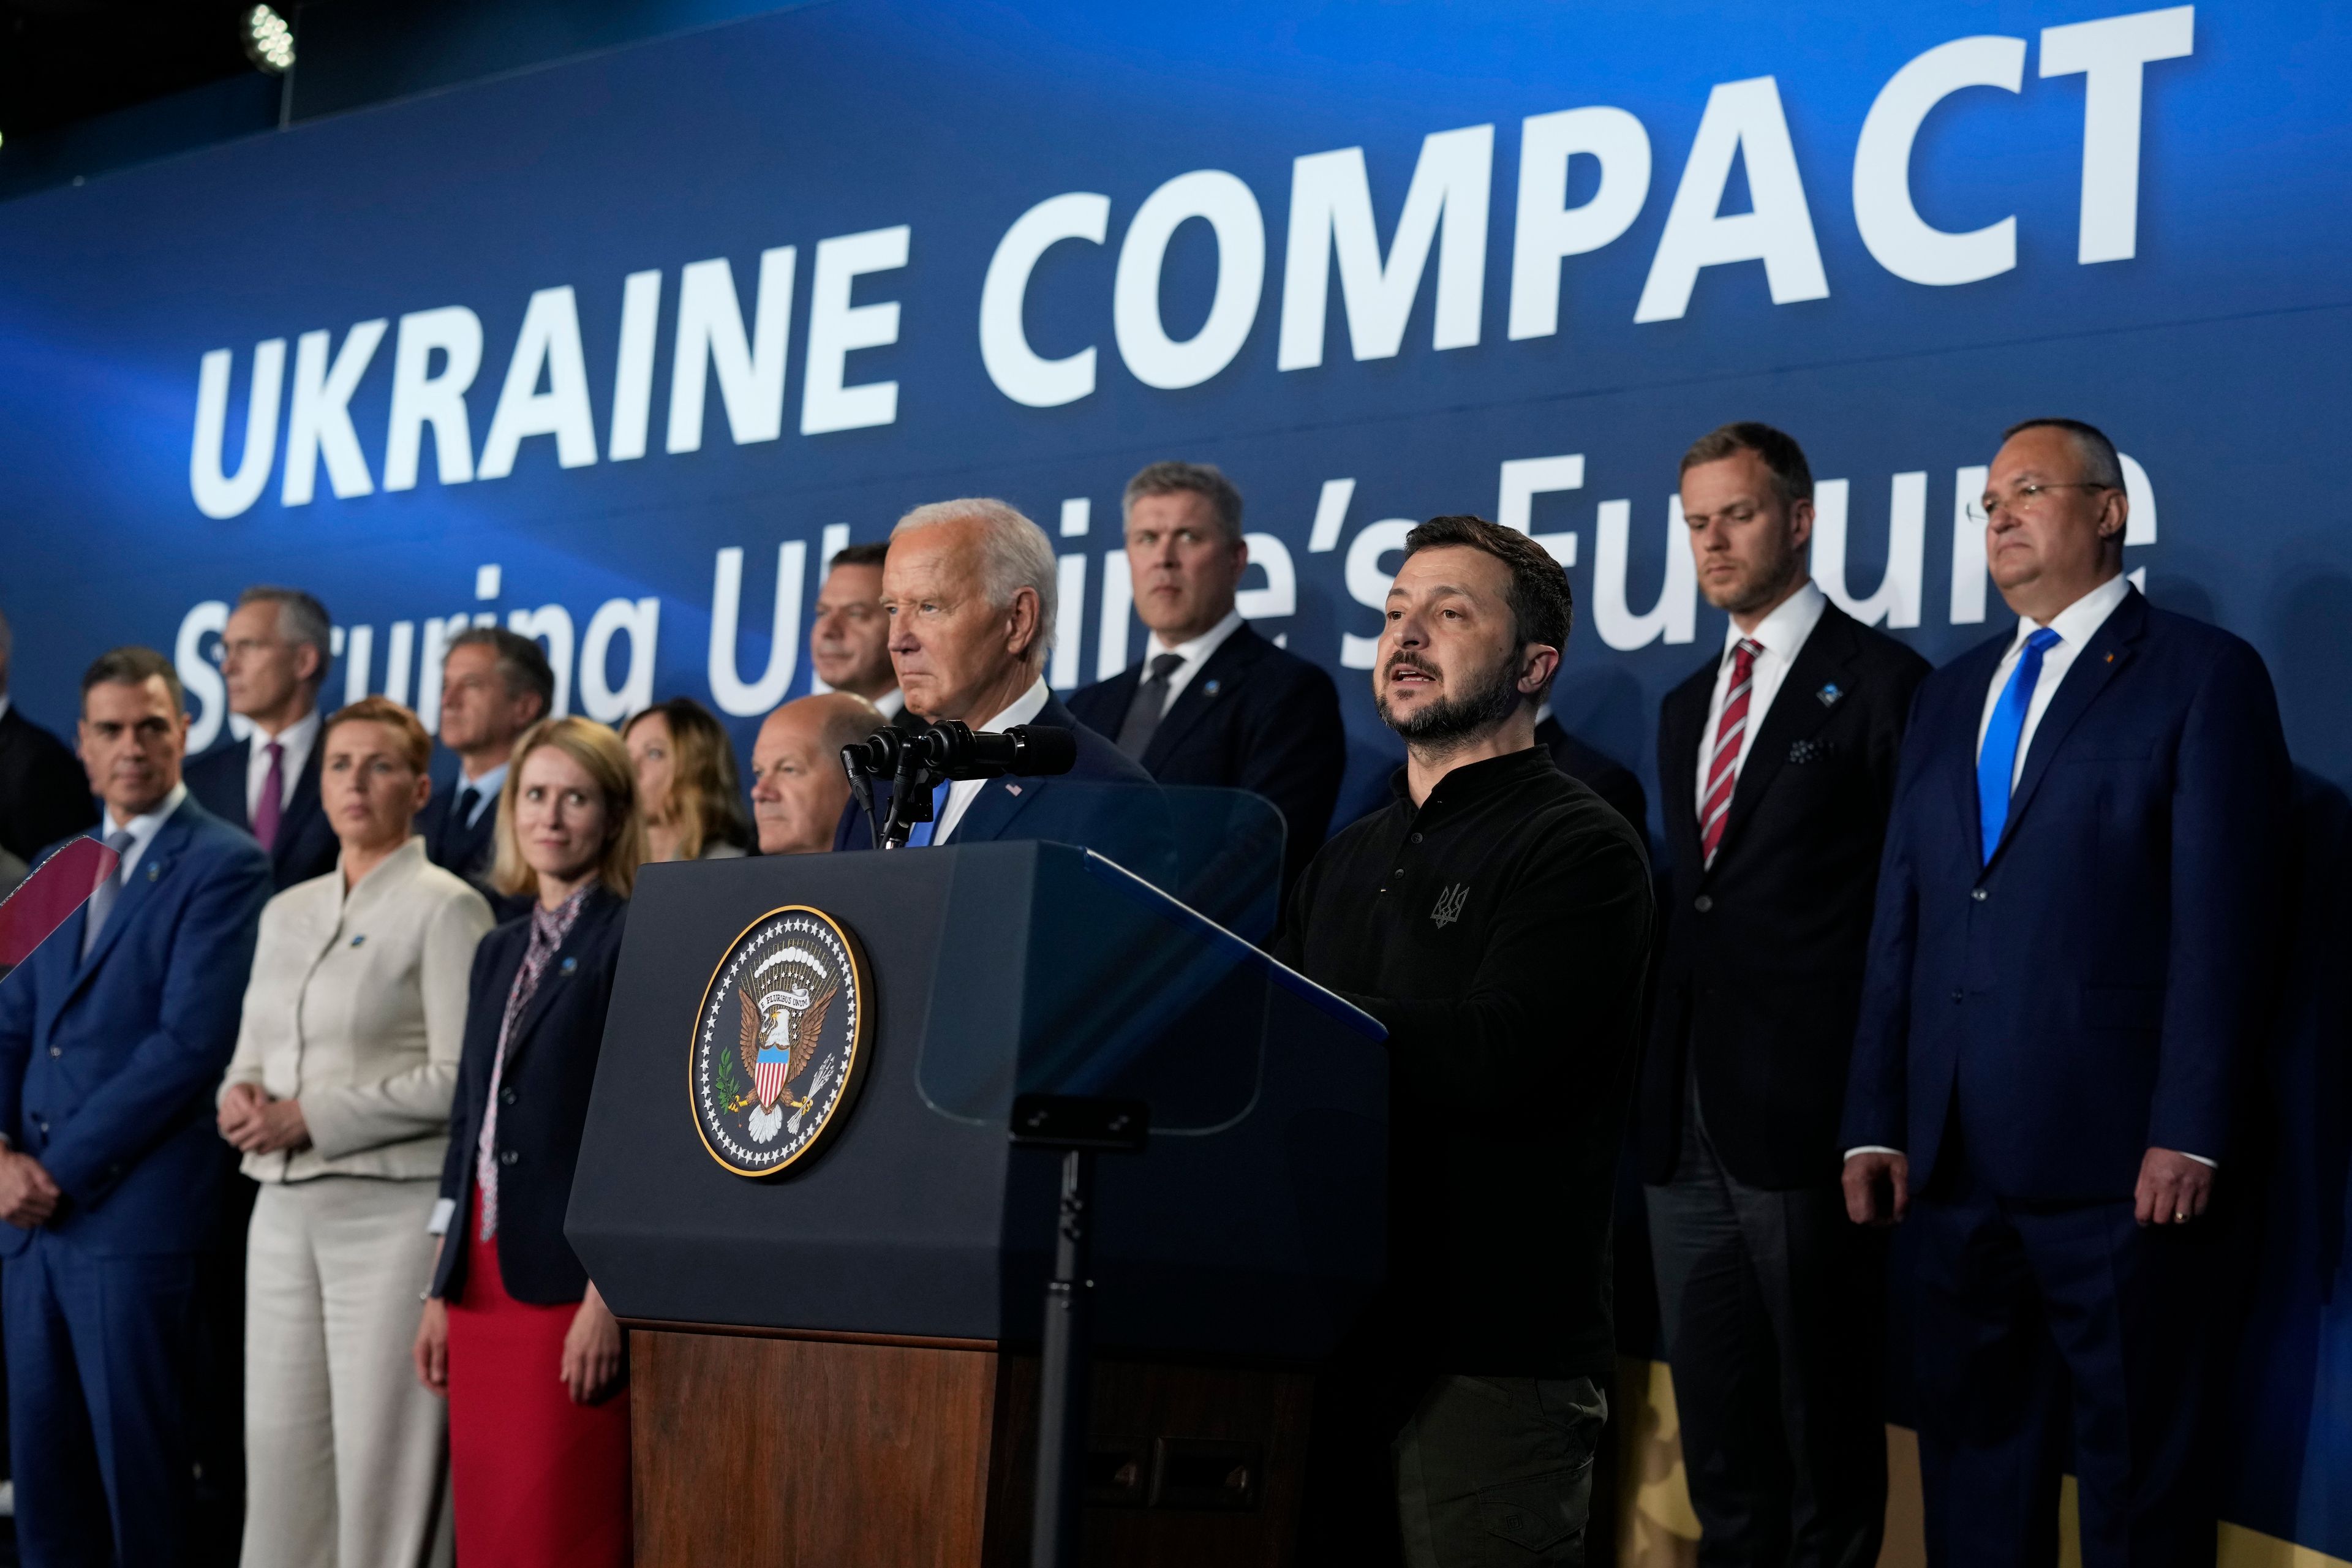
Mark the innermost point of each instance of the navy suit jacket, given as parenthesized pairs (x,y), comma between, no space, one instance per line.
(1253,716)
(306,845)
(1761,969)
(2097,988)
(1008,808)
(550,1069)
(107,1064)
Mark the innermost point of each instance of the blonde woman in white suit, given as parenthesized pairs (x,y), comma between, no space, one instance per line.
(338,1098)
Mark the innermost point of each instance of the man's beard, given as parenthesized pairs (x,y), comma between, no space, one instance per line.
(1768,583)
(1485,705)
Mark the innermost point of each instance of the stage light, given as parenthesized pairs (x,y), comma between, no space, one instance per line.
(268,40)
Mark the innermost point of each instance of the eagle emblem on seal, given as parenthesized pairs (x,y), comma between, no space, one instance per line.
(780,1041)
(779,1034)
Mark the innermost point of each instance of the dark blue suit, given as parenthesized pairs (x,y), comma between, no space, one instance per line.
(2031,1026)
(1253,716)
(108,1066)
(306,845)
(1074,808)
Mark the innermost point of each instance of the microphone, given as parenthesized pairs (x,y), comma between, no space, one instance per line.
(1026,751)
(875,757)
(915,765)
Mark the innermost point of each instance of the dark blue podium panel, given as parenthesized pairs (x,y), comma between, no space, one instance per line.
(1253,1225)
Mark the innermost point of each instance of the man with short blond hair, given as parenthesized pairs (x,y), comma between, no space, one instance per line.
(1776,759)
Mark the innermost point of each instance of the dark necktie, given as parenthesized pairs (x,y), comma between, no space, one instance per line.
(271,806)
(101,899)
(461,817)
(1142,720)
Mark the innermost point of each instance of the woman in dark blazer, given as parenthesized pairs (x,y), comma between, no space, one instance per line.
(514,1333)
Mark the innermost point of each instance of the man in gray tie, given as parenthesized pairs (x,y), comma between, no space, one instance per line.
(1213,703)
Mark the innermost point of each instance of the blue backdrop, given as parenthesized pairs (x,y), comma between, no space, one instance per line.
(441,360)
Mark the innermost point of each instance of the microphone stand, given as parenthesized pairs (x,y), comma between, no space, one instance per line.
(911,784)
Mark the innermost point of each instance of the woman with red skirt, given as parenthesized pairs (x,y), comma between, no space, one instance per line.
(514,1333)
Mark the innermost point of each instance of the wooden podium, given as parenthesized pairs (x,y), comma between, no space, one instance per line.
(836,1366)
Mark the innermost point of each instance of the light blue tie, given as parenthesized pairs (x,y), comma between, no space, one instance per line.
(921,834)
(1997,762)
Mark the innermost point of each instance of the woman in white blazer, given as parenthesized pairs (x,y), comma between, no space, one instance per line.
(338,1098)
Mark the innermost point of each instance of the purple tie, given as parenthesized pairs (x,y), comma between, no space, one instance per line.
(266,809)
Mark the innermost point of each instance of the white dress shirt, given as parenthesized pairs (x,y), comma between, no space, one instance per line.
(3,705)
(1780,634)
(142,828)
(892,703)
(963,792)
(297,739)
(2076,624)
(1194,653)
(487,788)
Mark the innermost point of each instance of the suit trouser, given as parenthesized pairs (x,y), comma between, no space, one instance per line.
(2033,1319)
(1771,1305)
(346,1454)
(100,1350)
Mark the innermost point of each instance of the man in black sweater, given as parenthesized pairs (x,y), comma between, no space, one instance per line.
(1458,916)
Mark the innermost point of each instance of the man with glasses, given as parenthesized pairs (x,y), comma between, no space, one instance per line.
(2065,982)
(274,656)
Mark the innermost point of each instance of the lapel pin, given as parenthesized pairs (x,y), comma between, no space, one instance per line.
(1211,689)
(1012,789)
(359,939)
(2111,658)
(155,873)
(568,965)
(1829,695)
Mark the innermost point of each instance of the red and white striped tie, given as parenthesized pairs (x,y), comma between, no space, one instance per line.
(1723,764)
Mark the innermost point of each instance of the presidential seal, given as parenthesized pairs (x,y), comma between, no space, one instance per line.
(779,1046)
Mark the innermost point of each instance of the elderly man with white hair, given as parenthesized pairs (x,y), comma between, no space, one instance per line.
(968,588)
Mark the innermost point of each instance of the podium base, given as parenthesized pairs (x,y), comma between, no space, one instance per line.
(865,1451)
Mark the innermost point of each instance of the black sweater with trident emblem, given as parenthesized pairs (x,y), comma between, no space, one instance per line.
(1501,930)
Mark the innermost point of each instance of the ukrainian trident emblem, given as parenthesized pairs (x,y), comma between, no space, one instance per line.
(780,1041)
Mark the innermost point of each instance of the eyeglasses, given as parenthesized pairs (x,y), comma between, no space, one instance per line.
(247,647)
(2021,500)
